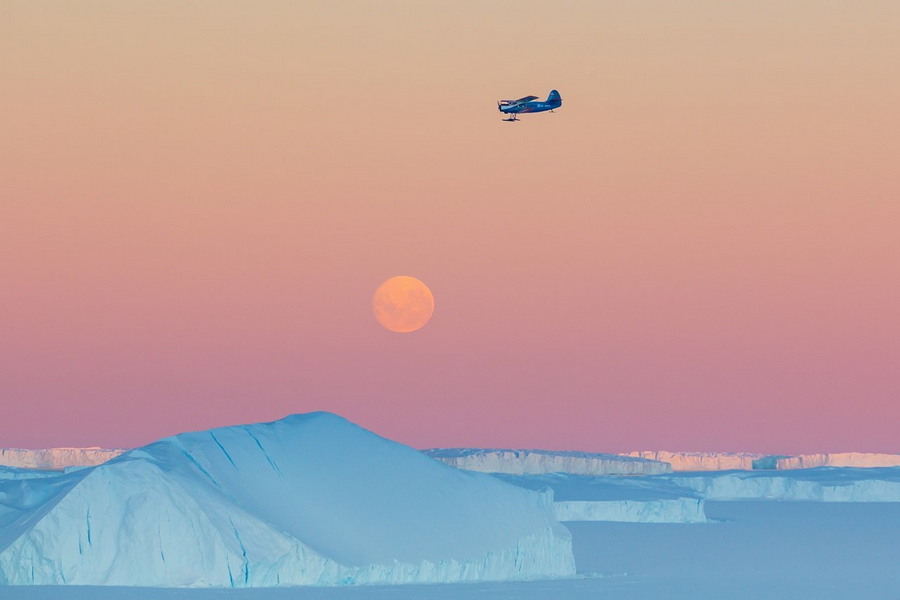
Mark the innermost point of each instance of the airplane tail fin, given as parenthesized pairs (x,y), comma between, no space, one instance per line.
(554,98)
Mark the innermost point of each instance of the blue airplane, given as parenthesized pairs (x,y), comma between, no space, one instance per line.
(529,104)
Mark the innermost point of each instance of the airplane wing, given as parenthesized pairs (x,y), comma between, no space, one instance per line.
(526,99)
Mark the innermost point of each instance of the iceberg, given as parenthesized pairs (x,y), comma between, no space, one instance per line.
(537,462)
(701,461)
(677,510)
(56,459)
(20,473)
(747,461)
(813,485)
(838,459)
(650,499)
(308,500)
(527,462)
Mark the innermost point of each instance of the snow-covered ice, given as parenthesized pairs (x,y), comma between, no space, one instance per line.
(310,499)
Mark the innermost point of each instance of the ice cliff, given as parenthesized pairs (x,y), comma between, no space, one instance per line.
(816,485)
(678,510)
(638,499)
(528,461)
(838,459)
(536,462)
(700,461)
(56,458)
(746,461)
(310,499)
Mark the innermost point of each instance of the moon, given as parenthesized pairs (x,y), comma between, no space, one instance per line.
(403,304)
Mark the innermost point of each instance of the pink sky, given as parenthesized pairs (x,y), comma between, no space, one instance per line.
(699,251)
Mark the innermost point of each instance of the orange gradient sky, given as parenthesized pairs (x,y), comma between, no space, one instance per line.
(699,251)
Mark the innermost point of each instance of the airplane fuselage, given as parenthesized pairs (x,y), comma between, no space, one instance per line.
(515,107)
(529,107)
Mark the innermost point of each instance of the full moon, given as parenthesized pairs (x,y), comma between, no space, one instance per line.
(403,304)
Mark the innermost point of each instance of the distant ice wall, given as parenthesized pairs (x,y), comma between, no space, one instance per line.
(701,461)
(838,459)
(746,461)
(56,459)
(819,485)
(537,462)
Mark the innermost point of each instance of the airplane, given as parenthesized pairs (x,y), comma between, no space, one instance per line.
(529,104)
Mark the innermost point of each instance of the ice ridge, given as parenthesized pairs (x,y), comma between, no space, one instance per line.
(308,500)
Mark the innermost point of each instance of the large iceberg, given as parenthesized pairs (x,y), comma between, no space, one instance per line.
(678,510)
(816,485)
(537,462)
(307,500)
(838,459)
(700,461)
(747,461)
(56,458)
(642,499)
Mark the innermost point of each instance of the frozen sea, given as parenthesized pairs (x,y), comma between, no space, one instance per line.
(759,550)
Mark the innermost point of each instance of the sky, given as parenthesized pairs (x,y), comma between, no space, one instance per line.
(699,251)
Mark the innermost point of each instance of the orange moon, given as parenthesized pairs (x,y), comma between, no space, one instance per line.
(403,304)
